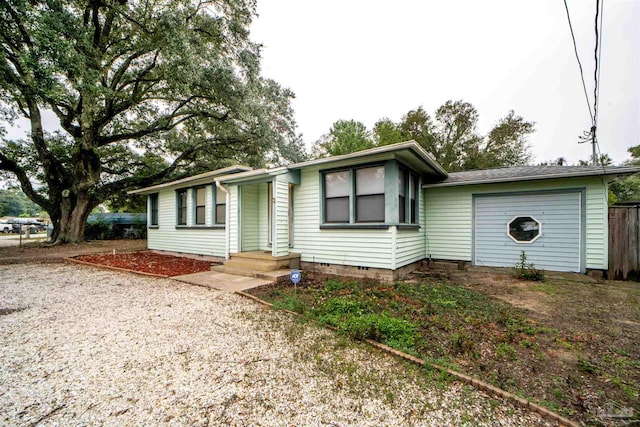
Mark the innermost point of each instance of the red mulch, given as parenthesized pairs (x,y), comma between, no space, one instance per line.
(149,262)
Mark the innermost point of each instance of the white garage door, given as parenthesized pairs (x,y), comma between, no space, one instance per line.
(547,226)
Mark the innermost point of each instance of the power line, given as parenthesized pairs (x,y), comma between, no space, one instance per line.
(575,48)
(598,60)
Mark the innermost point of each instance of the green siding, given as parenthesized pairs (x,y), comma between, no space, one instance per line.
(281,218)
(449,216)
(249,218)
(263,217)
(366,248)
(232,223)
(167,238)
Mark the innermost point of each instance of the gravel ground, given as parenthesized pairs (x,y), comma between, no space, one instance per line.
(86,346)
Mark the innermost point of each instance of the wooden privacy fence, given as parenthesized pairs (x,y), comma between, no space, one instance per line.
(624,242)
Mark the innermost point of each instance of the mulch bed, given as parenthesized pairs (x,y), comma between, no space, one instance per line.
(149,262)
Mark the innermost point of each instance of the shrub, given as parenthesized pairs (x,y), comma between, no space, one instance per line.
(527,271)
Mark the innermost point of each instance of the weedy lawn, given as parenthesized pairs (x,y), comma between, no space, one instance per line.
(569,344)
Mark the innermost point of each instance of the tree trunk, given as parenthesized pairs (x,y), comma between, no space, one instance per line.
(74,211)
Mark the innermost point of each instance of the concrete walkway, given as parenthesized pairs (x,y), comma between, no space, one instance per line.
(222,281)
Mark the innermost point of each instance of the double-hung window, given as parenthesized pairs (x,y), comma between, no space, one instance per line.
(199,197)
(370,194)
(413,197)
(337,191)
(354,195)
(407,197)
(181,198)
(153,209)
(402,195)
(221,206)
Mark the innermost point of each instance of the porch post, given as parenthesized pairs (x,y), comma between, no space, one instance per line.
(280,237)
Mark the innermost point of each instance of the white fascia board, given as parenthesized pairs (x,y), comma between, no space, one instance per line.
(617,173)
(413,146)
(202,178)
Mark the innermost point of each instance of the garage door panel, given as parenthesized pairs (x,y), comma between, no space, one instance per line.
(558,247)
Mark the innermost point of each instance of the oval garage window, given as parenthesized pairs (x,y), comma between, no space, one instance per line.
(524,229)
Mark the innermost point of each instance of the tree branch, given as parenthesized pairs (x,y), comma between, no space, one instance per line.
(161,124)
(132,182)
(11,165)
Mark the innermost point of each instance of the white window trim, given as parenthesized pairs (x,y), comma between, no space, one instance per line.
(524,241)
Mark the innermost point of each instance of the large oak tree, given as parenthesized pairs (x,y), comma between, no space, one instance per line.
(142,90)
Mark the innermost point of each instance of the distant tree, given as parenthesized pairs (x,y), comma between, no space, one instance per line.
(603,160)
(344,137)
(142,92)
(506,144)
(627,190)
(457,142)
(386,132)
(452,137)
(13,202)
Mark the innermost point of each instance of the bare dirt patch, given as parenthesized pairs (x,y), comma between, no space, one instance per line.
(36,252)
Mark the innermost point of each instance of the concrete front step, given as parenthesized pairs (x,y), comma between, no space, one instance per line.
(272,275)
(257,264)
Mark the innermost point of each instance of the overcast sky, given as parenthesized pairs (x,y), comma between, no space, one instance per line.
(365,60)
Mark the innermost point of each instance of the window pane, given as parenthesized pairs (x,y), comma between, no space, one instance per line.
(182,207)
(154,209)
(221,197)
(401,209)
(220,214)
(337,209)
(200,196)
(413,194)
(414,219)
(370,208)
(200,215)
(336,184)
(524,228)
(370,181)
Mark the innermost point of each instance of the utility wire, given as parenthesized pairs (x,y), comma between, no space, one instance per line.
(598,60)
(575,48)
(596,77)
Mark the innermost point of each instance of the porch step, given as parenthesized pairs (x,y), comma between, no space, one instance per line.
(272,275)
(262,261)
(256,264)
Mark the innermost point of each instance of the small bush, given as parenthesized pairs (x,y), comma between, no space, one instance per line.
(98,231)
(527,271)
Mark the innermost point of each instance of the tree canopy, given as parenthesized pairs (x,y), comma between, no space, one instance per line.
(142,91)
(451,136)
(345,136)
(13,202)
(627,190)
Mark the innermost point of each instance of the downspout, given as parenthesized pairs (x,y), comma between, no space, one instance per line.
(227,233)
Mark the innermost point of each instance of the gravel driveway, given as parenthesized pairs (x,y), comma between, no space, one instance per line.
(94,347)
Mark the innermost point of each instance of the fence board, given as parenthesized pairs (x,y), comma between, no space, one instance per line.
(624,243)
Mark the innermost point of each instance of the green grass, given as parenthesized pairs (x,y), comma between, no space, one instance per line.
(469,331)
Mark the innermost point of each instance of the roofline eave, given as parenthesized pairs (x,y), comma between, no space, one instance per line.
(625,171)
